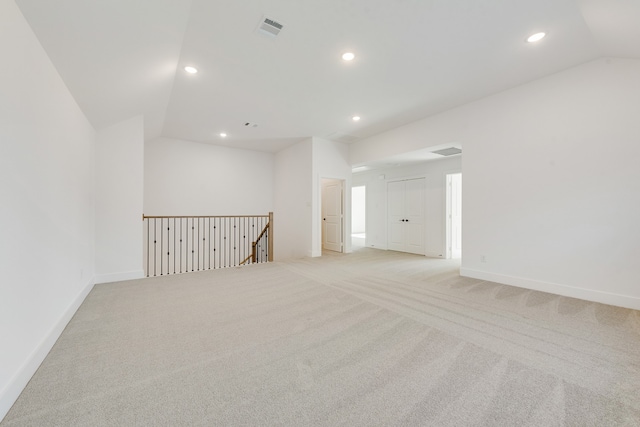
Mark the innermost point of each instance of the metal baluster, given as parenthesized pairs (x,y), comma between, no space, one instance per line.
(246,236)
(214,242)
(148,248)
(193,238)
(225,242)
(204,242)
(154,246)
(161,246)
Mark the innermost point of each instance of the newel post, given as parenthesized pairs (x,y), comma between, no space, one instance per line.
(254,253)
(270,247)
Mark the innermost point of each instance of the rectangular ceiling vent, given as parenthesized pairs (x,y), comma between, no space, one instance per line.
(270,27)
(448,151)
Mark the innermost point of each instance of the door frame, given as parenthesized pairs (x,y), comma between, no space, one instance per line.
(448,227)
(424,209)
(364,209)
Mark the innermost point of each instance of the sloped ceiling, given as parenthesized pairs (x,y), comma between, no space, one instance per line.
(121,58)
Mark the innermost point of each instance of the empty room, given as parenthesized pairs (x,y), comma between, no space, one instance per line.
(181,245)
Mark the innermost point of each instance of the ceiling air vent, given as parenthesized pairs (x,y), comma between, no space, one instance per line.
(448,151)
(270,27)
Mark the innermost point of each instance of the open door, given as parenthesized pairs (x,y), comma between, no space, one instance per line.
(358,216)
(454,215)
(332,214)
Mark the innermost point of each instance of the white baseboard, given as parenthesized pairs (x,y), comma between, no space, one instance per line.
(433,255)
(119,277)
(555,288)
(378,246)
(12,391)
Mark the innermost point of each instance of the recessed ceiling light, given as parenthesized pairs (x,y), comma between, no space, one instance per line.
(191,70)
(536,37)
(223,135)
(355,118)
(348,56)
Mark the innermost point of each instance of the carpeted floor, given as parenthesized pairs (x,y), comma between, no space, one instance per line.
(372,338)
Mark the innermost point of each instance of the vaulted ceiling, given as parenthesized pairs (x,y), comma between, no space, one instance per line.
(414,58)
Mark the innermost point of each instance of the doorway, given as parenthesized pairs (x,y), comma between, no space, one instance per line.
(406,215)
(454,215)
(358,216)
(332,215)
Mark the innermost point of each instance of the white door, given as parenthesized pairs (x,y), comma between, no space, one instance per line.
(395,202)
(455,186)
(415,217)
(332,215)
(406,215)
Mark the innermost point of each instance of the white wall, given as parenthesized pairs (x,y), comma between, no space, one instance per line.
(434,172)
(119,194)
(330,160)
(451,127)
(551,180)
(358,209)
(293,201)
(562,215)
(47,204)
(190,178)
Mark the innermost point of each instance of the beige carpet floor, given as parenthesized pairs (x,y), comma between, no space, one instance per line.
(372,338)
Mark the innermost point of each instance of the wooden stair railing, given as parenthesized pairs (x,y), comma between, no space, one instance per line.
(268,230)
(181,244)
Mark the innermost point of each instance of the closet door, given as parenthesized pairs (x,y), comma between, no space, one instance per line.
(415,216)
(406,215)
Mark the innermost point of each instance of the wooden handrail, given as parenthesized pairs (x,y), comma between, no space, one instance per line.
(175,244)
(264,230)
(254,254)
(205,216)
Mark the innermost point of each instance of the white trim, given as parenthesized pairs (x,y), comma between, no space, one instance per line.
(448,253)
(343,226)
(381,247)
(555,288)
(447,216)
(434,255)
(424,209)
(19,381)
(119,277)
(407,178)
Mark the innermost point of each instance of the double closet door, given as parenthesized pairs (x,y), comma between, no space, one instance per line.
(406,215)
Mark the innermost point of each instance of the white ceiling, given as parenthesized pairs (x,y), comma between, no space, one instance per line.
(121,58)
(408,159)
